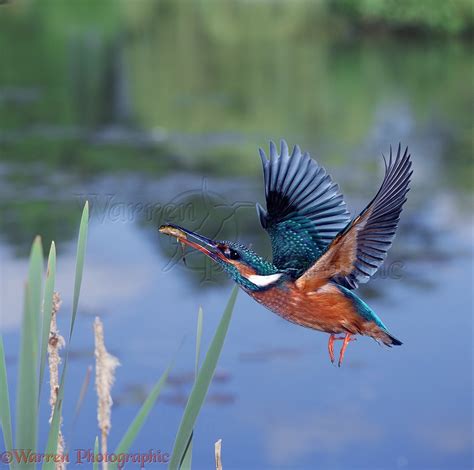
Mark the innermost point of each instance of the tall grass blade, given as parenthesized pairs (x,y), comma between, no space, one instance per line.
(47,309)
(5,415)
(81,250)
(186,463)
(52,445)
(198,340)
(188,455)
(81,247)
(35,283)
(95,465)
(82,394)
(53,434)
(27,387)
(79,403)
(201,385)
(136,425)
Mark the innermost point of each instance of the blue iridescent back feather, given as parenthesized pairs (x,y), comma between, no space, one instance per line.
(305,209)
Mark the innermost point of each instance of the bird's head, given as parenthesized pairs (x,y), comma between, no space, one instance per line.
(242,264)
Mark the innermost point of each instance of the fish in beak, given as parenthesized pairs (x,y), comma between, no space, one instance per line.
(187,237)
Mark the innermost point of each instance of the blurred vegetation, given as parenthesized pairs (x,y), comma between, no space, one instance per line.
(157,86)
(22,218)
(426,16)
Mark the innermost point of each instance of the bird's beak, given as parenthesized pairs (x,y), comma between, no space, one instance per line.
(204,245)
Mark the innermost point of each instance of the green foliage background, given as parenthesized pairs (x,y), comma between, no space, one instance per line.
(427,16)
(89,88)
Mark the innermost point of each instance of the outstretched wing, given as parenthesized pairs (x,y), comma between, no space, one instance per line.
(305,210)
(358,252)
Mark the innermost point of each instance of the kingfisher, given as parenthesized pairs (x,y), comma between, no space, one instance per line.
(320,254)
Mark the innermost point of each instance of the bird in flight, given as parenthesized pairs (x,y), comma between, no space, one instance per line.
(320,255)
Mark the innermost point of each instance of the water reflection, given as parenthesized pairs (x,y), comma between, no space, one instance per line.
(179,385)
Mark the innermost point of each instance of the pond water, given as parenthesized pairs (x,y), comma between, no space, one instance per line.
(154,112)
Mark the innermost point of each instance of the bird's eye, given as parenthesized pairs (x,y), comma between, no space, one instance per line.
(232,254)
(229,252)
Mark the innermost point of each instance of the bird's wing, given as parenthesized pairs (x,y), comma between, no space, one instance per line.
(305,209)
(360,249)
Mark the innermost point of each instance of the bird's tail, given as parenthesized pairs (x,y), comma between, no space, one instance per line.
(390,340)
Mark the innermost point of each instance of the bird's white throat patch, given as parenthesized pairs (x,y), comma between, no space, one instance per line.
(263,281)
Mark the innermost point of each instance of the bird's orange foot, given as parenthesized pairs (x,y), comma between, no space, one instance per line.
(347,339)
(333,338)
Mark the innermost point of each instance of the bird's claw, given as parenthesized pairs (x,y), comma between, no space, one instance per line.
(347,339)
(333,338)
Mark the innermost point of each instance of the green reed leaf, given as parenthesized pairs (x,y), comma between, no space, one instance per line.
(95,465)
(198,340)
(52,445)
(81,252)
(136,425)
(47,309)
(186,462)
(5,415)
(27,386)
(201,385)
(81,248)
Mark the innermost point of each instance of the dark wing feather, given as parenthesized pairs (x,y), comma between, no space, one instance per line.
(305,210)
(359,251)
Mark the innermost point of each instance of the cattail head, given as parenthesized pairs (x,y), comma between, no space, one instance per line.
(55,343)
(105,365)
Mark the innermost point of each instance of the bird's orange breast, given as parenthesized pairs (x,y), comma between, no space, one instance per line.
(325,309)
